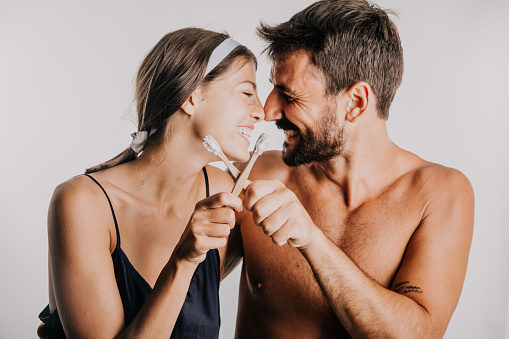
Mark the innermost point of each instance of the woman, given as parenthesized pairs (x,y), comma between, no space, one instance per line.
(136,245)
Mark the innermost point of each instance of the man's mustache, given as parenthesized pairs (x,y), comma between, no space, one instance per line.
(285,124)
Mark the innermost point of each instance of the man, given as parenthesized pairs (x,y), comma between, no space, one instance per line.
(349,234)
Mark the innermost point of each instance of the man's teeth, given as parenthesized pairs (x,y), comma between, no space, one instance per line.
(247,132)
(291,133)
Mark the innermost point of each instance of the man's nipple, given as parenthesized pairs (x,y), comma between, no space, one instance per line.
(258,287)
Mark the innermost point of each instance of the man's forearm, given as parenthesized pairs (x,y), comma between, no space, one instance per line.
(365,308)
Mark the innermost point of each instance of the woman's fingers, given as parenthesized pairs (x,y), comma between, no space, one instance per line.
(219,215)
(209,226)
(223,199)
(214,230)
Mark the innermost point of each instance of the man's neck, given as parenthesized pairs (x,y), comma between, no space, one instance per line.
(368,165)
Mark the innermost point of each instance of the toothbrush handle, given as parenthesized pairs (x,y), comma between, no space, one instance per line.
(235,173)
(242,179)
(233,170)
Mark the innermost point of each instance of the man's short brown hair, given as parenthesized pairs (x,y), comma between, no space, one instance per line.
(349,40)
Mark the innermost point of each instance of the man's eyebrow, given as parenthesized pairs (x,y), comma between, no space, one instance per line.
(283,88)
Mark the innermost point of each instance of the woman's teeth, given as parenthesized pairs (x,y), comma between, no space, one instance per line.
(247,132)
(291,133)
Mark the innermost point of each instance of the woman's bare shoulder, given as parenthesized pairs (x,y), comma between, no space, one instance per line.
(78,205)
(79,191)
(219,180)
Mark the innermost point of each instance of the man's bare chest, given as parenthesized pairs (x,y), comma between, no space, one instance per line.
(374,236)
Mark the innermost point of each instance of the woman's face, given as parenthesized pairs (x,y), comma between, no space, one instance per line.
(230,108)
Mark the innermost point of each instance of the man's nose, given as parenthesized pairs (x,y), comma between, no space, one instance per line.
(273,108)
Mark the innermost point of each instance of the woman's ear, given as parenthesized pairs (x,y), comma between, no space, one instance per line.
(358,99)
(189,106)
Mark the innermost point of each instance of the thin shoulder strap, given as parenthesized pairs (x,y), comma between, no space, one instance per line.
(206,181)
(111,207)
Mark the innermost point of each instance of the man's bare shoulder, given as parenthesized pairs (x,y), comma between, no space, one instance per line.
(439,188)
(439,178)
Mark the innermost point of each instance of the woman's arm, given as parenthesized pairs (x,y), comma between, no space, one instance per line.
(234,250)
(84,284)
(232,254)
(81,268)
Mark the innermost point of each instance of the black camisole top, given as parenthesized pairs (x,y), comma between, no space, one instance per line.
(199,316)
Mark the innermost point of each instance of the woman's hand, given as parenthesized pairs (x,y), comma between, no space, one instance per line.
(208,227)
(44,332)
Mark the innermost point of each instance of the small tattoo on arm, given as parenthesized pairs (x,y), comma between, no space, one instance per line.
(403,288)
(401,283)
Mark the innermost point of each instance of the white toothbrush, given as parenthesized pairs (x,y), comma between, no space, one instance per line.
(212,146)
(261,146)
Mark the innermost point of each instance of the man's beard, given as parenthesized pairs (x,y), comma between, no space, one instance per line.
(325,142)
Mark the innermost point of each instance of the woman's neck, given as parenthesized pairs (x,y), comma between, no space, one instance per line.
(170,170)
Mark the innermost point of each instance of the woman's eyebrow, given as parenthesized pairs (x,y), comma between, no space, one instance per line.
(249,82)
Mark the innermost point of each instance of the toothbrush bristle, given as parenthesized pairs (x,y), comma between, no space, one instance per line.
(262,143)
(211,144)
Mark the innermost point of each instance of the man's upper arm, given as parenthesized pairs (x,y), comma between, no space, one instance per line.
(435,261)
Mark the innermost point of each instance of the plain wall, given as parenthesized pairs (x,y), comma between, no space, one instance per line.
(66,89)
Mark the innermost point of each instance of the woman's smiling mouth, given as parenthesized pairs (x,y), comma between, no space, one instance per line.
(245,131)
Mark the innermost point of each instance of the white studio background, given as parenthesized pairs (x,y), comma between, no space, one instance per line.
(66,88)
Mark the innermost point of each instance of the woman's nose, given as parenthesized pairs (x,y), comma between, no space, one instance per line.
(257,112)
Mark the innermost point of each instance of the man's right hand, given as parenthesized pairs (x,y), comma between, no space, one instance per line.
(279,213)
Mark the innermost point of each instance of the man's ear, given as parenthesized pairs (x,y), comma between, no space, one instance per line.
(358,99)
(189,106)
